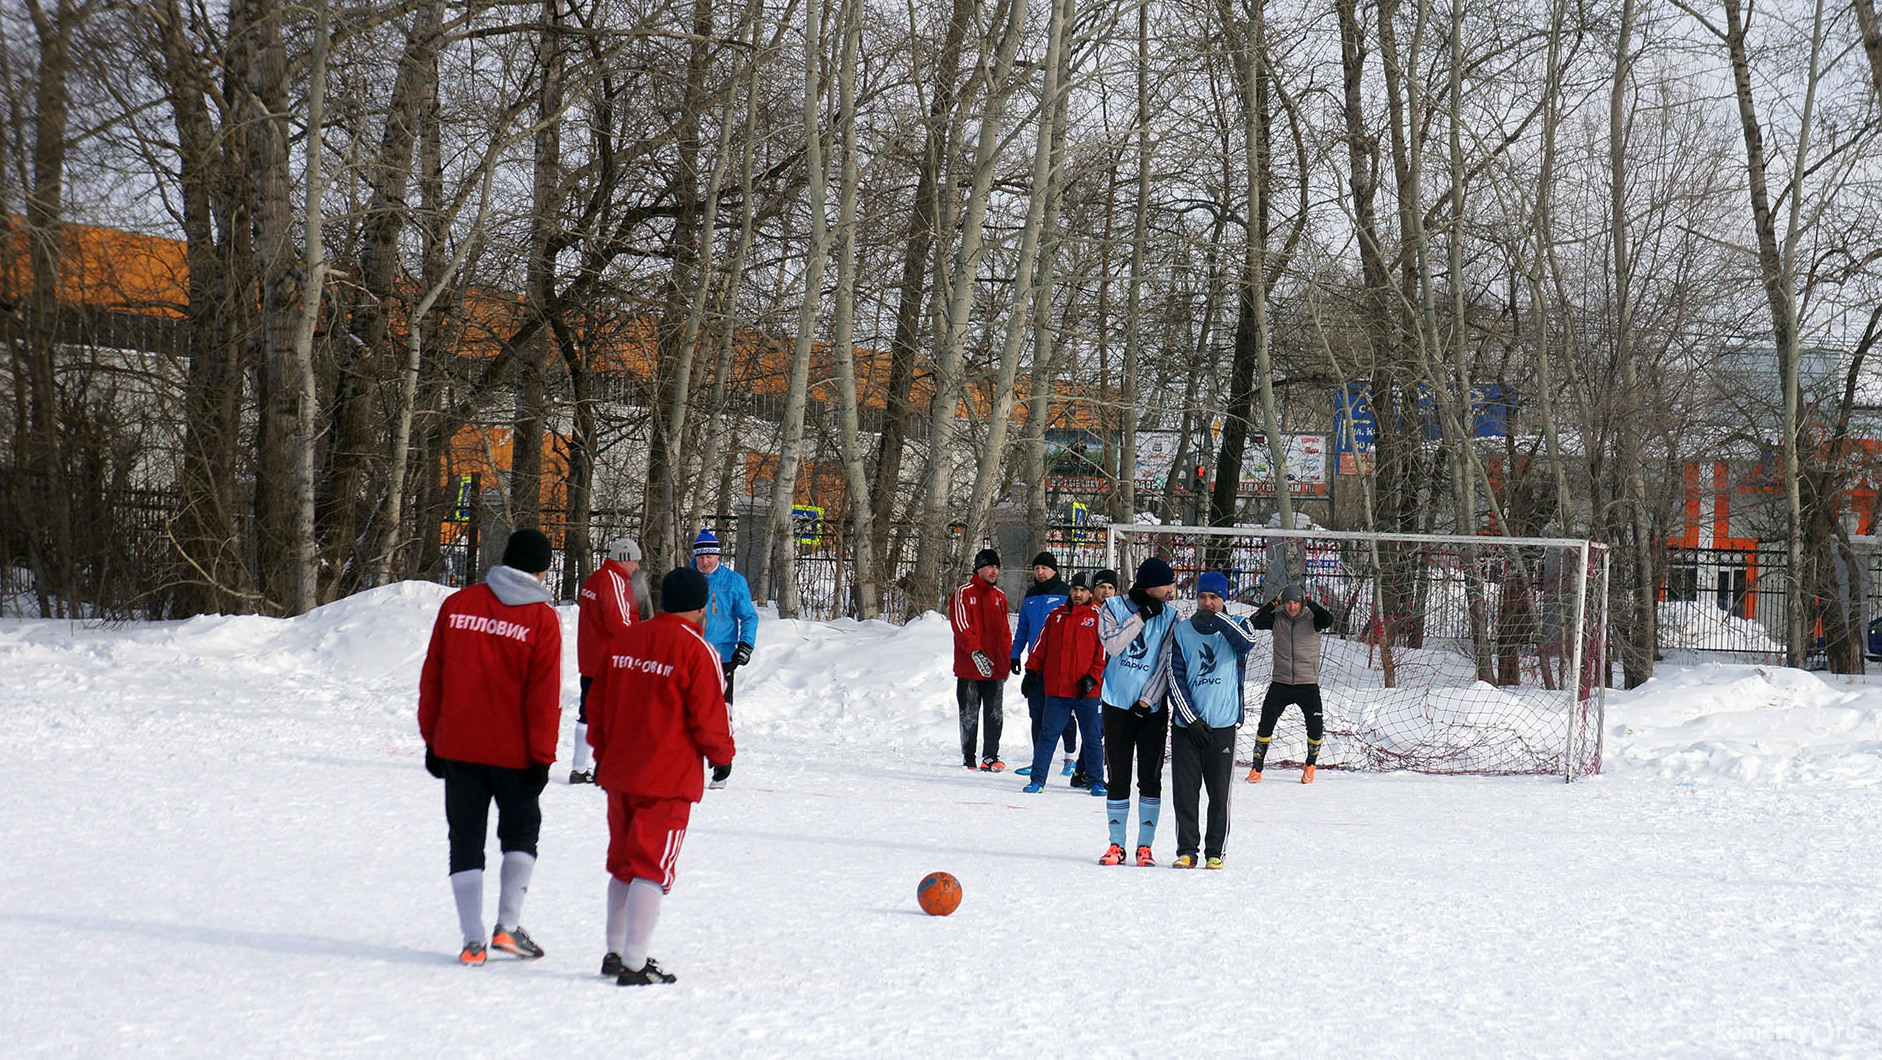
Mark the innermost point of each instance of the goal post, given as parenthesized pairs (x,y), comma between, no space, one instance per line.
(1447,653)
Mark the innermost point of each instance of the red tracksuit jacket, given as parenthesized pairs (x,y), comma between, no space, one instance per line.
(658,710)
(978,612)
(605,611)
(491,689)
(1069,648)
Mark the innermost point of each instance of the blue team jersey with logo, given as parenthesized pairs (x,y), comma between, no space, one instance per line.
(1130,671)
(1207,671)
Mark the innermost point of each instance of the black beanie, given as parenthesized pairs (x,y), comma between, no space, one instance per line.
(1046,559)
(1107,576)
(1081,580)
(527,551)
(1154,572)
(986,557)
(682,590)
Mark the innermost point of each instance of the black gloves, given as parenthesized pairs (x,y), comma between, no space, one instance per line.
(1016,666)
(1141,709)
(1029,684)
(1086,686)
(720,773)
(1203,621)
(538,773)
(1199,733)
(433,764)
(1147,606)
(741,655)
(982,663)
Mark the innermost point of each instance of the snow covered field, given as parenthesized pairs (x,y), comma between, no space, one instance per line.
(220,841)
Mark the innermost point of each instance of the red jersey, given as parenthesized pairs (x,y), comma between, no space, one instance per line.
(978,613)
(1069,648)
(491,689)
(657,710)
(606,609)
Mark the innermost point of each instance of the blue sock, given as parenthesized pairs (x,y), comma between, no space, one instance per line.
(1149,810)
(1117,810)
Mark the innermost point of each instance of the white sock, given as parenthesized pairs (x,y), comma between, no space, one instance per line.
(643,912)
(581,749)
(517,869)
(468,888)
(617,915)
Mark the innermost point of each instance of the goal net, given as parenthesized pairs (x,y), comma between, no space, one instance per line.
(1446,654)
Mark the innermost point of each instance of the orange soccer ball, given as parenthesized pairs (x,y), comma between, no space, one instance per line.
(939,894)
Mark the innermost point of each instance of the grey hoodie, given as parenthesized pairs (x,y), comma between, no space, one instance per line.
(515,588)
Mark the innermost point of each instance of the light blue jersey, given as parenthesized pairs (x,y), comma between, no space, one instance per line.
(1140,653)
(1207,670)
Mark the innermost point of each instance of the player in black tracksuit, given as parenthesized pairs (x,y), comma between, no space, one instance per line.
(1297,623)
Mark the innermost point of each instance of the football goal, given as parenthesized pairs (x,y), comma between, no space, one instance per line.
(1447,654)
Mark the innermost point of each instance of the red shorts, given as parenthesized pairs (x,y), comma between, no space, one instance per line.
(644,837)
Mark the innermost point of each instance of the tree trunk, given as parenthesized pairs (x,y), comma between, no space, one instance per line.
(282,548)
(993,455)
(935,549)
(790,448)
(862,517)
(48,513)
(904,347)
(363,360)
(540,280)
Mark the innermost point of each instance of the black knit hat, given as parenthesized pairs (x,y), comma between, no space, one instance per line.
(682,590)
(528,551)
(1081,580)
(1046,559)
(1154,572)
(986,557)
(1107,576)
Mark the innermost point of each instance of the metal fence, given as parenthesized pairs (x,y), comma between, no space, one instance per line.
(1735,603)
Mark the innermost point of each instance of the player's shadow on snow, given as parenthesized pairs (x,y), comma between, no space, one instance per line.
(266,941)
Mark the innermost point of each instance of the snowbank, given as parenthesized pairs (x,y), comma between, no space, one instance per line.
(1757,723)
(1690,625)
(877,686)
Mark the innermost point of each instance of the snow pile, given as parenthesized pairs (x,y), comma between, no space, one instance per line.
(1755,723)
(849,681)
(1691,625)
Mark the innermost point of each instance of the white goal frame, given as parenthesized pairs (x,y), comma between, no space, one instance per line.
(1587,703)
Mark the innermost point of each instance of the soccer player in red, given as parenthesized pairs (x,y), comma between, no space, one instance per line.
(983,642)
(490,709)
(613,598)
(658,711)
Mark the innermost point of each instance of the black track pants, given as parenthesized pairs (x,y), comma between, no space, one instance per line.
(1127,736)
(468,789)
(975,697)
(1280,697)
(1201,760)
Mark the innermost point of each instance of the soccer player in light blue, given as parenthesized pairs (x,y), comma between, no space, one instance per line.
(1207,666)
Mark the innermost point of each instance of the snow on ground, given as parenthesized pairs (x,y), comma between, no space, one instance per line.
(220,841)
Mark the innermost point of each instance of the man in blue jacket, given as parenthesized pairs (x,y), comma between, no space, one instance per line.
(1135,629)
(1207,664)
(1047,594)
(731,620)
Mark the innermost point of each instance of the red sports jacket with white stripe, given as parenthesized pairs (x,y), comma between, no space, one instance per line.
(605,611)
(1069,648)
(978,612)
(491,689)
(658,710)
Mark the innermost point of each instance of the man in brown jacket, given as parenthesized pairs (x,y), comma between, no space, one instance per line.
(1297,623)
